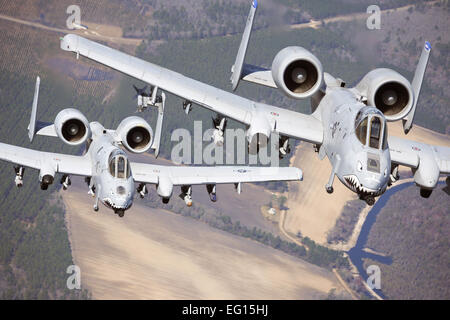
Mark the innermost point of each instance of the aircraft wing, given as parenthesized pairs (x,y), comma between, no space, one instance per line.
(62,163)
(411,154)
(179,175)
(286,122)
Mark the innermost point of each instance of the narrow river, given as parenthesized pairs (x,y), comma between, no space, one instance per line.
(357,254)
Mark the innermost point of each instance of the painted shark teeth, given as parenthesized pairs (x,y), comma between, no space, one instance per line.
(109,204)
(352,182)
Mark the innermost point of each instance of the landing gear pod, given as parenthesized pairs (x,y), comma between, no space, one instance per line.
(46,176)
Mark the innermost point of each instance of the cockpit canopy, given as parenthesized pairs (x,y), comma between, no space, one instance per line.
(119,166)
(371,129)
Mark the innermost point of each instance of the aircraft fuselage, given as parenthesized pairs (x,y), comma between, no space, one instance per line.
(355,142)
(111,179)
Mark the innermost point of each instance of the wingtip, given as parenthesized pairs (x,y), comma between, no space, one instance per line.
(427,45)
(300,174)
(255,4)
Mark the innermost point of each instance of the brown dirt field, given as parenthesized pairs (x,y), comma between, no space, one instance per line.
(314,212)
(155,254)
(104,29)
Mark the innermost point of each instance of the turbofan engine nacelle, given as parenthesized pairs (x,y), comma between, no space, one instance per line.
(72,127)
(388,91)
(136,134)
(258,134)
(297,72)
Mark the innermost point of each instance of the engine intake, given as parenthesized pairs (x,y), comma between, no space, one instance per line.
(389,92)
(136,134)
(72,127)
(297,72)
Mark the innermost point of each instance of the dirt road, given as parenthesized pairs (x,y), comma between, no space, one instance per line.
(85,33)
(350,17)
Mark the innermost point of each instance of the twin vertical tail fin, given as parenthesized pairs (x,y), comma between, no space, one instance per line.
(35,126)
(239,63)
(417,85)
(32,125)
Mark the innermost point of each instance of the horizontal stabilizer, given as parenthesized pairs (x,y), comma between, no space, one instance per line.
(258,75)
(46,129)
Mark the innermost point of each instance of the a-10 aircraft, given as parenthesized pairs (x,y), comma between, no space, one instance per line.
(110,175)
(347,125)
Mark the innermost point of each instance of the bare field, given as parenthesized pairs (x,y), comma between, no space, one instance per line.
(313,211)
(154,254)
(105,30)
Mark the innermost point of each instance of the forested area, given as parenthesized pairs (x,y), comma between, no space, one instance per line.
(414,232)
(346,222)
(35,250)
(320,9)
(176,19)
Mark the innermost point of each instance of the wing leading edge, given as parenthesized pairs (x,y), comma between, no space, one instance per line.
(148,173)
(292,124)
(413,154)
(59,163)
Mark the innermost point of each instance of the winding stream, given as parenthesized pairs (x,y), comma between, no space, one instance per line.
(356,254)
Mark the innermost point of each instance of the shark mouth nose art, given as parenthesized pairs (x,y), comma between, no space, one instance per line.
(352,182)
(111,205)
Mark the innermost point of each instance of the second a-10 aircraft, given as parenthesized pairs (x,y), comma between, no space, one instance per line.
(347,125)
(110,175)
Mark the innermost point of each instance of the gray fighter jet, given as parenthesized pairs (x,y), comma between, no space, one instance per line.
(347,125)
(109,173)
